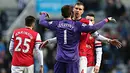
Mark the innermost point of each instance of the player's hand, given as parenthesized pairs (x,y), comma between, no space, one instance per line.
(96,69)
(43,44)
(116,43)
(47,15)
(111,19)
(41,69)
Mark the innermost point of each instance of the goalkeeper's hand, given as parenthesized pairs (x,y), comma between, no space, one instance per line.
(111,19)
(45,13)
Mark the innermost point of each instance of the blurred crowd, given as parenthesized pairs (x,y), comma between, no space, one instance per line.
(114,60)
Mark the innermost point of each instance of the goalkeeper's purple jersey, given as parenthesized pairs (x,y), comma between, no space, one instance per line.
(68,36)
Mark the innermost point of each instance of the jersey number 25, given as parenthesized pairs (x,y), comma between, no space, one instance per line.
(26,41)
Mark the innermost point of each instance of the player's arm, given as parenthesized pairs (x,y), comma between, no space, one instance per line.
(49,41)
(89,28)
(104,39)
(50,25)
(11,45)
(100,37)
(38,51)
(98,48)
(52,40)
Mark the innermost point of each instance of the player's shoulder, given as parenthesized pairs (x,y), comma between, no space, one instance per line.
(35,32)
(83,20)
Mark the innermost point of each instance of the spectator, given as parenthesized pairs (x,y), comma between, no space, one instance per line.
(120,10)
(3,20)
(2,54)
(91,4)
(122,28)
(3,70)
(21,6)
(115,8)
(110,7)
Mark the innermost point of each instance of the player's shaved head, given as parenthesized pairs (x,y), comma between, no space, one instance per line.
(29,20)
(66,11)
(79,3)
(78,10)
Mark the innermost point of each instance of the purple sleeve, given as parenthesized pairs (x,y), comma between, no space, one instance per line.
(97,26)
(50,25)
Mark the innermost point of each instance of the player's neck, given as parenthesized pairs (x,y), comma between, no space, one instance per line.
(29,27)
(69,18)
(76,18)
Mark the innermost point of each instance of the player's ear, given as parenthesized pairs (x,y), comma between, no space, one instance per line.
(73,9)
(72,14)
(83,11)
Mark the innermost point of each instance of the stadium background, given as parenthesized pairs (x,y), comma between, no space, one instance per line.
(13,12)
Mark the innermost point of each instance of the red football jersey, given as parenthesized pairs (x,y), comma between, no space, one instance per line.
(90,49)
(24,44)
(87,45)
(83,40)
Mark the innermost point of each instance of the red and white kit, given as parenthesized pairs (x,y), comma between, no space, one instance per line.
(22,45)
(87,47)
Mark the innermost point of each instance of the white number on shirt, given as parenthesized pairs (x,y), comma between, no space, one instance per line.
(25,44)
(65,36)
(19,43)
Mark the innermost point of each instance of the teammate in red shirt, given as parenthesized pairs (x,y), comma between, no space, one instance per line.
(78,11)
(94,49)
(22,45)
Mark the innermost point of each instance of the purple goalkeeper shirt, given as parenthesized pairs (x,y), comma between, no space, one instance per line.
(68,36)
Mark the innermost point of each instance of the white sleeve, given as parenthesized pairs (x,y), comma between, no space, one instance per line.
(11,45)
(98,48)
(100,37)
(52,40)
(39,52)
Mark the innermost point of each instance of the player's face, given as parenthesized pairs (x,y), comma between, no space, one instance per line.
(78,10)
(90,18)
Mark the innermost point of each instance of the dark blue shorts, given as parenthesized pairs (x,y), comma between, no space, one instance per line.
(61,67)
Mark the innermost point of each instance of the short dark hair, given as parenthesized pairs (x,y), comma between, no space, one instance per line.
(29,20)
(66,11)
(79,3)
(91,14)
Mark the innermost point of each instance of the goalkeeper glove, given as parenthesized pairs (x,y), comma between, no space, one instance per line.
(111,19)
(47,15)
